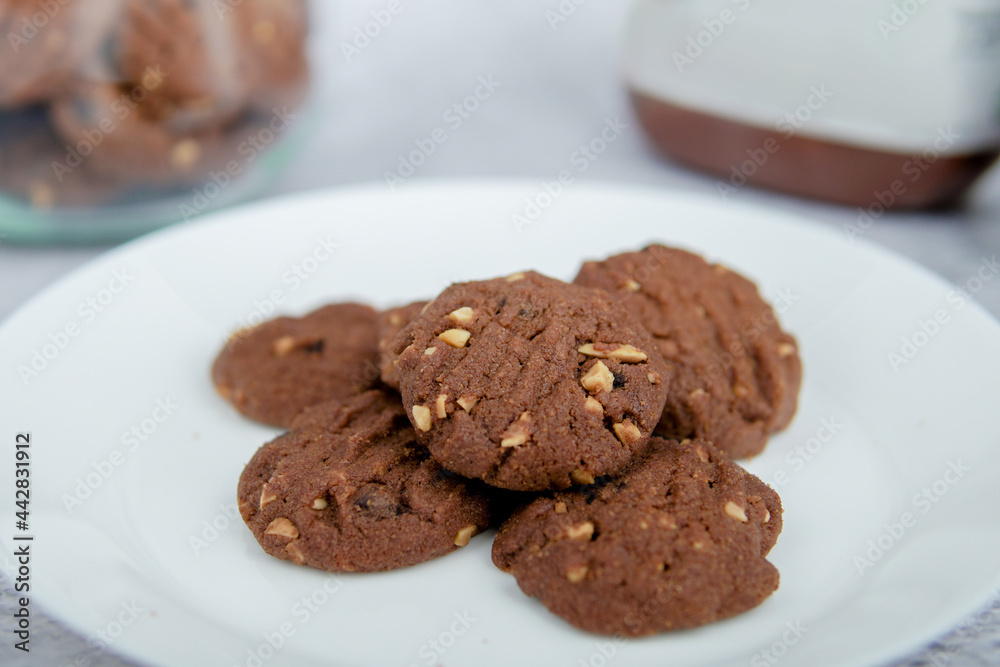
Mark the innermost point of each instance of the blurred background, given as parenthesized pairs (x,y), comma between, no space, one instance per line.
(884,116)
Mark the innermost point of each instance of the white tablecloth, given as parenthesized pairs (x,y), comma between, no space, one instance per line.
(546,92)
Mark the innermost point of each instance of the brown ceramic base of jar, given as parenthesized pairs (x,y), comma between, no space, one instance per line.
(747,155)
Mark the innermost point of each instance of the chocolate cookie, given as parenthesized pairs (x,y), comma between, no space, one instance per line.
(530,383)
(124,133)
(274,371)
(676,540)
(349,489)
(735,374)
(272,35)
(194,51)
(391,323)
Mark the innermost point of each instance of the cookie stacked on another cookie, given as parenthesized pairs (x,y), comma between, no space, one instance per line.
(529,383)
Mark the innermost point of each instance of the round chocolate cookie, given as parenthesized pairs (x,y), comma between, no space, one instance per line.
(530,383)
(735,375)
(274,371)
(391,322)
(350,490)
(676,540)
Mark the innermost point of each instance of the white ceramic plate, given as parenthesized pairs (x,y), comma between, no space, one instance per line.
(135,459)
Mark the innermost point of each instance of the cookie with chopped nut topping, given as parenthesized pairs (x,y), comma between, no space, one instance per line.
(530,383)
(736,374)
(678,539)
(391,322)
(272,372)
(350,490)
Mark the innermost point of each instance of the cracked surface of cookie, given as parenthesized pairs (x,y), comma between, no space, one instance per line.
(529,383)
(677,540)
(391,322)
(272,372)
(735,375)
(349,489)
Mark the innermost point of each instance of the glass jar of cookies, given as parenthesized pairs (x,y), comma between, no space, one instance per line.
(119,116)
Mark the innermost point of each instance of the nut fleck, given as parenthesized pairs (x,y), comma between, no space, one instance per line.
(785,350)
(653,378)
(455,337)
(267,497)
(736,512)
(439,406)
(767,516)
(625,353)
(581,531)
(320,504)
(627,432)
(283,346)
(518,432)
(632,286)
(593,405)
(560,507)
(462,315)
(741,391)
(42,195)
(293,550)
(576,573)
(282,527)
(514,277)
(697,393)
(598,379)
(463,536)
(581,476)
(422,417)
(185,154)
(467,402)
(702,454)
(430,351)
